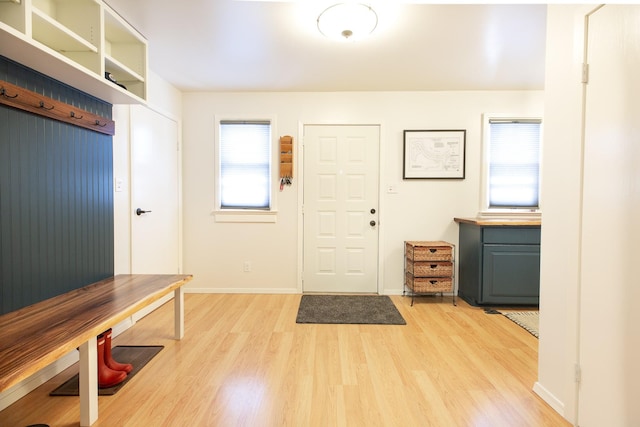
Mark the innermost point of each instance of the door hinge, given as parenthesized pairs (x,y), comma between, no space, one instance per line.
(578,374)
(585,73)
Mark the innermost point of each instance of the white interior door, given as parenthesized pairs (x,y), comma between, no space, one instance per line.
(154,189)
(609,292)
(341,174)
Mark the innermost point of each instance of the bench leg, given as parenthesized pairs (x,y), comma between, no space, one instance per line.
(88,382)
(178,306)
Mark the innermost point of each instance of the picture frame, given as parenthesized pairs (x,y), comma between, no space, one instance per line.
(434,154)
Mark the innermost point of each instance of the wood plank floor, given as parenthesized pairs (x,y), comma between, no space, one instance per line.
(245,362)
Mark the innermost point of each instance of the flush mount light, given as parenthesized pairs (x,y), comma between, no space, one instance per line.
(347,21)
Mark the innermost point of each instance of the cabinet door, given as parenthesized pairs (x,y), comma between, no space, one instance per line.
(511,274)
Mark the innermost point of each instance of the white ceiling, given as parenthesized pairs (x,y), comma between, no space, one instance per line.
(240,45)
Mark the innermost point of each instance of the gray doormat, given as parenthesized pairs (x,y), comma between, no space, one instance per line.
(137,355)
(349,309)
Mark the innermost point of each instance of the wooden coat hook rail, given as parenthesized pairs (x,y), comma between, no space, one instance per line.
(24,99)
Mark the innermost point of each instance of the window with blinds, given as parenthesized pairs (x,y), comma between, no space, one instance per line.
(513,164)
(245,164)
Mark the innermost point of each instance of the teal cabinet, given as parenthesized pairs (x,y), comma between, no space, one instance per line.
(499,264)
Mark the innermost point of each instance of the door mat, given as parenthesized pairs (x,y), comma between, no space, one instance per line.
(137,355)
(349,309)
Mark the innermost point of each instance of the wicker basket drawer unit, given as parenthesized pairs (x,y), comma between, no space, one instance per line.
(423,285)
(429,267)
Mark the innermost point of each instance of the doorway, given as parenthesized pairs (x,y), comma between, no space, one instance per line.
(340,208)
(154,190)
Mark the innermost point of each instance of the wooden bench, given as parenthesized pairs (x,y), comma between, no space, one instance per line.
(35,336)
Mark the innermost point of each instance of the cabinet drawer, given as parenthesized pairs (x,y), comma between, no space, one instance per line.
(430,269)
(420,285)
(511,235)
(428,251)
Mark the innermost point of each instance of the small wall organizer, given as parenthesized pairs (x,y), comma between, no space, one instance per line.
(286,161)
(23,99)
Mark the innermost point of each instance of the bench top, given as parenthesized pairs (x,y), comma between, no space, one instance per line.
(35,336)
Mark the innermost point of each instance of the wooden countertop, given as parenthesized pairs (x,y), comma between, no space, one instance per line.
(514,222)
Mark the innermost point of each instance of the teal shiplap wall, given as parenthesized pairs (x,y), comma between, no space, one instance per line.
(56,196)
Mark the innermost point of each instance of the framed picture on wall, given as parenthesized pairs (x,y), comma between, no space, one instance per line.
(434,154)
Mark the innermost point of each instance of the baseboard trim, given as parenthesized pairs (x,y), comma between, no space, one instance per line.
(548,397)
(188,290)
(240,291)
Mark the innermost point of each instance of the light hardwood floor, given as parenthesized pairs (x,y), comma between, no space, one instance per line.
(245,362)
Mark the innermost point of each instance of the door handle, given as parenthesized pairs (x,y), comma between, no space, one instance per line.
(372,223)
(140,212)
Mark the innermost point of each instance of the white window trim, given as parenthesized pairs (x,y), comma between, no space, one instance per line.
(485,211)
(246,215)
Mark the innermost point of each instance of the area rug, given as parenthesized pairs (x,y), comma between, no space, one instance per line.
(349,309)
(137,355)
(528,320)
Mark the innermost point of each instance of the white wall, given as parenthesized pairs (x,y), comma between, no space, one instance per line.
(588,284)
(421,209)
(561,211)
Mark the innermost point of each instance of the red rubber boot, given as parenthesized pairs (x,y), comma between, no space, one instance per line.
(108,359)
(107,377)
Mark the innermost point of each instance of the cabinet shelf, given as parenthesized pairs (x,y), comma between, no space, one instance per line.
(120,71)
(51,33)
(13,15)
(76,42)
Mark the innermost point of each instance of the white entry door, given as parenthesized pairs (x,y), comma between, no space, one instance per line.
(341,169)
(154,189)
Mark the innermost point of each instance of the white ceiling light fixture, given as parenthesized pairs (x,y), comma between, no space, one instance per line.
(347,21)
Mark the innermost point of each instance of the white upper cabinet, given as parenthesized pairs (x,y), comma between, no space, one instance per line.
(83,43)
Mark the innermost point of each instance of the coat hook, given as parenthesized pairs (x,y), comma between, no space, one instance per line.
(73,115)
(98,123)
(3,92)
(46,108)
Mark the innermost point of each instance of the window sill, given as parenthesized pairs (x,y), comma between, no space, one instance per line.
(245,216)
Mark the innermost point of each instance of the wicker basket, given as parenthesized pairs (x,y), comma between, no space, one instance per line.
(424,285)
(430,269)
(428,251)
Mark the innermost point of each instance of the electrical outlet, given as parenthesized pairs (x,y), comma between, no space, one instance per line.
(246,266)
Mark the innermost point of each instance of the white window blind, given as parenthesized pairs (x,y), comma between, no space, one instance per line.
(245,164)
(514,163)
